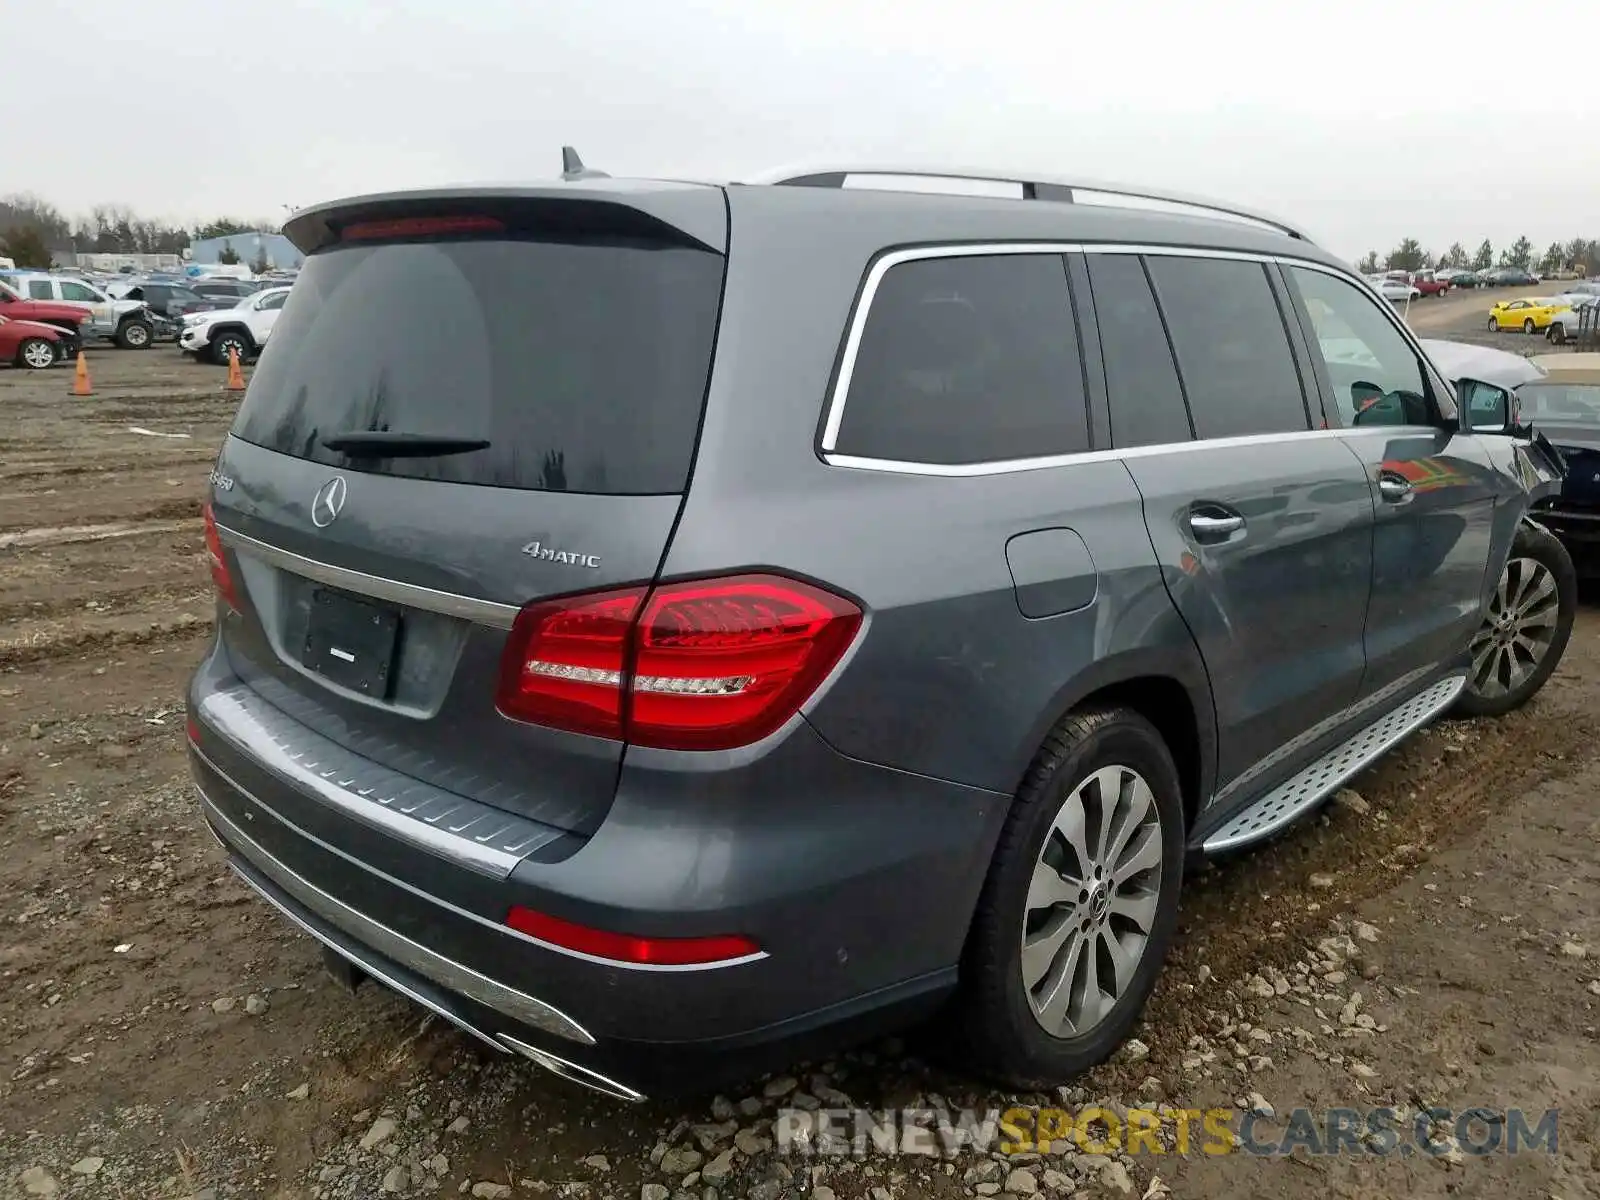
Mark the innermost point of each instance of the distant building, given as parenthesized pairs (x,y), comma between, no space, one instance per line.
(279,250)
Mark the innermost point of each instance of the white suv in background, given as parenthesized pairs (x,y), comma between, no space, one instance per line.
(242,328)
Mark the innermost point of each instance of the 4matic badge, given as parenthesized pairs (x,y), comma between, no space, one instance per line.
(571,558)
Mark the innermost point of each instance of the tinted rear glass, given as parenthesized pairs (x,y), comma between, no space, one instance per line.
(583,364)
(967,360)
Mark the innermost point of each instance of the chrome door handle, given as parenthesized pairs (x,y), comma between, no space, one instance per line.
(1214,527)
(1394,489)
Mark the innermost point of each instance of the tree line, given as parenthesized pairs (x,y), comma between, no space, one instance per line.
(1580,254)
(33,231)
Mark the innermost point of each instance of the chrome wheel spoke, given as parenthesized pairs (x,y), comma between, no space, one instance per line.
(1055,1008)
(1049,888)
(1137,801)
(1143,855)
(1137,908)
(1042,953)
(1122,961)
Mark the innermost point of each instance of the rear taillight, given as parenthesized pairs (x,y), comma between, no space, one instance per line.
(219,565)
(702,665)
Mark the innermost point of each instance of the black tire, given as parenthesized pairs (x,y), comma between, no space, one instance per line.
(240,341)
(135,334)
(1557,333)
(1494,326)
(1482,697)
(997,1032)
(36,354)
(1528,325)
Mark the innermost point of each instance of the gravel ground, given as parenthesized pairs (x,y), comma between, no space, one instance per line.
(1431,938)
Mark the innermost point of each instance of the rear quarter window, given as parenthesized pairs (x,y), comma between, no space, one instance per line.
(967,359)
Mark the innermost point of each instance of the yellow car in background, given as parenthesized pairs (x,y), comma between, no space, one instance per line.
(1530,316)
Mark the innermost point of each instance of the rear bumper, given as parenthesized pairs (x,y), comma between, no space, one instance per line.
(855,939)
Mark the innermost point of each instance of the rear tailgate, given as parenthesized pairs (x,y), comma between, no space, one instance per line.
(559,342)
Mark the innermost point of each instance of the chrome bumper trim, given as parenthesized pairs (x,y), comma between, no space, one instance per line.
(446,972)
(466,832)
(573,1071)
(360,962)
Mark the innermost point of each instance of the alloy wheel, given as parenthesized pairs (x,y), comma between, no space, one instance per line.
(1518,629)
(1092,902)
(39,355)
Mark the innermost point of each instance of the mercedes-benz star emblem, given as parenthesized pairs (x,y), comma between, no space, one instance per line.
(329,502)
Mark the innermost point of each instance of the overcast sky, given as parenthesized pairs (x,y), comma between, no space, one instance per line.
(1367,121)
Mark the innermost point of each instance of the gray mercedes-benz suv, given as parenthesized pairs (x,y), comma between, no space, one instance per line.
(665,628)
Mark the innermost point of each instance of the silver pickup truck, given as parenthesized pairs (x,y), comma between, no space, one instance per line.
(128,323)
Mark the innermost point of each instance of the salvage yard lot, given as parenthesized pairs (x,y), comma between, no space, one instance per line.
(162,1033)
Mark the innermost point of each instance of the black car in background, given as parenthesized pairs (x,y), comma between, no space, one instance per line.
(1567,411)
(175,300)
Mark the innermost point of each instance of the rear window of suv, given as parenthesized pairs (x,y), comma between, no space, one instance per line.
(582,363)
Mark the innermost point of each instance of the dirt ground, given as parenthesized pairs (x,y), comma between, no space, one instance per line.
(1431,939)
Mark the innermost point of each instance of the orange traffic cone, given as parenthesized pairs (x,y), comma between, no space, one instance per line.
(235,376)
(80,379)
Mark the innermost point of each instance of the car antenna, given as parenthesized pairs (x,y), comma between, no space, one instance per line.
(572,166)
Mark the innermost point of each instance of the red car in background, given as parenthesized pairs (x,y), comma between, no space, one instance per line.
(63,318)
(30,344)
(1428,285)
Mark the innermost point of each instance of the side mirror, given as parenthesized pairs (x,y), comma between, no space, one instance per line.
(1486,408)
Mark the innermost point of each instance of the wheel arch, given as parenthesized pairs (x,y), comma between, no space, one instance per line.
(238,327)
(1170,689)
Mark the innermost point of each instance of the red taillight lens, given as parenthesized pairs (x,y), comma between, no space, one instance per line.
(725,662)
(704,665)
(626,948)
(565,662)
(219,564)
(404,227)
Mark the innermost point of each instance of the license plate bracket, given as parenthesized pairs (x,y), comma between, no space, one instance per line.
(352,643)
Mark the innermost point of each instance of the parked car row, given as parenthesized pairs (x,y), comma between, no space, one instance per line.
(125,322)
(48,317)
(1559,318)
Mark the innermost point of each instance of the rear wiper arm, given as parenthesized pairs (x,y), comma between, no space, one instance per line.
(358,444)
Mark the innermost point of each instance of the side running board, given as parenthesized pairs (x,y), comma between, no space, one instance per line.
(1297,795)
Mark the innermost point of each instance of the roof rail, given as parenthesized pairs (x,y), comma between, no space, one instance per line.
(1034,187)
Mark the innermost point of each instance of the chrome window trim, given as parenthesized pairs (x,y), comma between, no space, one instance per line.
(449,604)
(839,393)
(1019,465)
(869,290)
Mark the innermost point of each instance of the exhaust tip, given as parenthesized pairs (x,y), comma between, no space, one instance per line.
(573,1072)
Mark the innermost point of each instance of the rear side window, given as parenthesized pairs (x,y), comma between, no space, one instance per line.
(1233,350)
(1143,391)
(76,291)
(40,289)
(968,360)
(582,363)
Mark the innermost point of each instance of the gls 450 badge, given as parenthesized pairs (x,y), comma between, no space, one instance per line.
(571,558)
